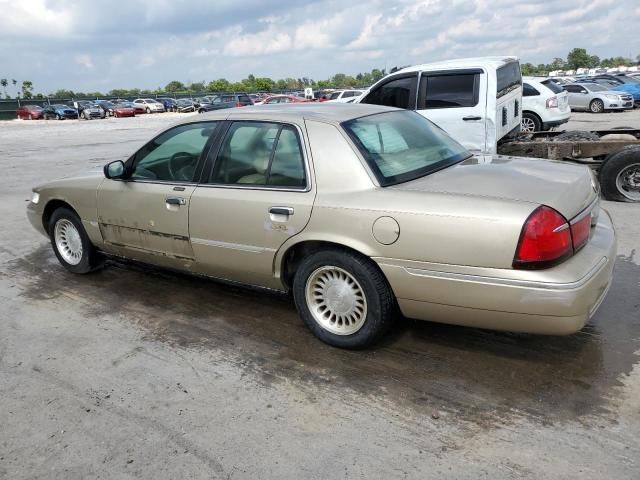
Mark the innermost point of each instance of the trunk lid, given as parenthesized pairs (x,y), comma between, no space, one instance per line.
(568,188)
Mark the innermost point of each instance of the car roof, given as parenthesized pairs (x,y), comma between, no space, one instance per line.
(298,112)
(473,62)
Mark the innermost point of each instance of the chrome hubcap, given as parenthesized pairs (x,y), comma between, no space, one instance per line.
(628,182)
(68,241)
(528,125)
(596,107)
(336,300)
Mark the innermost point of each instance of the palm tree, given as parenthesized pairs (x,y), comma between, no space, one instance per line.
(15,82)
(4,84)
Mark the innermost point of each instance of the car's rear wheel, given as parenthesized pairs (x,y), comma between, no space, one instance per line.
(71,243)
(596,106)
(530,123)
(58,116)
(343,298)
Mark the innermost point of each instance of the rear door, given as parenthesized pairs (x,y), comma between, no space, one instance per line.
(256,193)
(452,100)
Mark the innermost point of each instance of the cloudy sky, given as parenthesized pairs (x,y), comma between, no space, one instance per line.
(89,45)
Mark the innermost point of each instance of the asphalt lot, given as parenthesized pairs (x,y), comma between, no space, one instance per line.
(134,372)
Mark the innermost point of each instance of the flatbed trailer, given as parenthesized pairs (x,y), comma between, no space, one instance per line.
(613,154)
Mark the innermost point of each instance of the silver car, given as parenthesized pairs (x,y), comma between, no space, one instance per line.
(595,98)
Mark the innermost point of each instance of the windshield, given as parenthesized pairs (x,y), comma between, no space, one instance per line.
(402,146)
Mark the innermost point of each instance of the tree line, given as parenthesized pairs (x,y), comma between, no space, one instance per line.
(576,58)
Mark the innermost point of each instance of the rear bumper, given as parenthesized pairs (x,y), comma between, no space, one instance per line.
(556,301)
(554,123)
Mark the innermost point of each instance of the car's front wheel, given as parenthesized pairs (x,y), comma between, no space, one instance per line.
(71,243)
(596,106)
(343,298)
(148,110)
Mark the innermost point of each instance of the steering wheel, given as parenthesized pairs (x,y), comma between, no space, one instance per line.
(177,162)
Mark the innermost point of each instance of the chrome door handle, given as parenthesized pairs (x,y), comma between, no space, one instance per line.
(176,201)
(281,210)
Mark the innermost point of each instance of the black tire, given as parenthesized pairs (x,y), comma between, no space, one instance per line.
(613,166)
(58,116)
(533,119)
(91,258)
(148,110)
(596,106)
(380,301)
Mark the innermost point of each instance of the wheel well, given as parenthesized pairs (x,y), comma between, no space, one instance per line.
(51,207)
(298,252)
(533,114)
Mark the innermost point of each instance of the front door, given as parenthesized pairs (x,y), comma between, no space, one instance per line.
(146,216)
(451,100)
(257,193)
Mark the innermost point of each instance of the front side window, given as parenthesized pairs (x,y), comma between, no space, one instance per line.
(403,146)
(260,154)
(399,93)
(448,91)
(173,155)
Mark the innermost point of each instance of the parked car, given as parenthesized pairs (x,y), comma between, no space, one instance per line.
(343,96)
(596,98)
(148,105)
(89,110)
(201,101)
(170,104)
(185,105)
(282,99)
(125,109)
(544,105)
(413,220)
(30,112)
(59,112)
(107,106)
(226,101)
(623,83)
(476,100)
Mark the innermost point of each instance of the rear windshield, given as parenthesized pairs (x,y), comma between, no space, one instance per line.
(402,146)
(553,86)
(508,77)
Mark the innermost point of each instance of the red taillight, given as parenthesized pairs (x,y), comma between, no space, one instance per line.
(238,104)
(580,231)
(544,241)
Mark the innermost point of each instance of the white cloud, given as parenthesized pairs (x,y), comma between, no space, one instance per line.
(85,61)
(250,44)
(33,18)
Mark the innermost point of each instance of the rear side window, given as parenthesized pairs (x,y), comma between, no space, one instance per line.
(553,86)
(529,91)
(260,154)
(448,91)
(244,99)
(399,93)
(508,77)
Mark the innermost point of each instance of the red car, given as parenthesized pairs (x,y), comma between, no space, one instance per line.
(30,112)
(124,110)
(283,99)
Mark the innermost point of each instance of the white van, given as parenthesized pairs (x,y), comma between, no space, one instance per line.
(478,101)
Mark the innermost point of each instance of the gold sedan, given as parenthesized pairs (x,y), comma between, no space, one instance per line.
(358,210)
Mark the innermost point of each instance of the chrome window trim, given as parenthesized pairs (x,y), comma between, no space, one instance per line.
(307,167)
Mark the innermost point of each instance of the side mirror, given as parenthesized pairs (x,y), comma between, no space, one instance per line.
(114,170)
(583,91)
